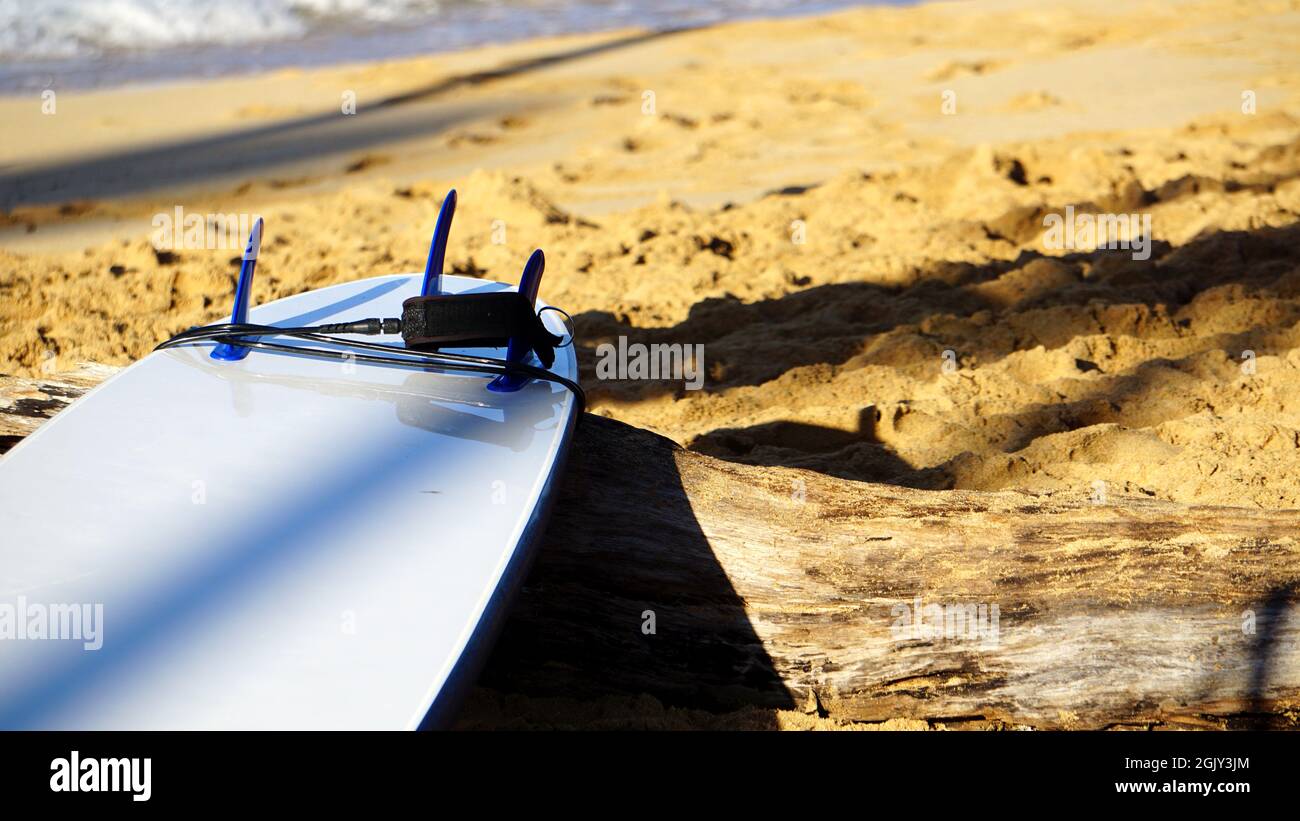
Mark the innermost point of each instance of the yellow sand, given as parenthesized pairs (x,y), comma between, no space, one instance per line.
(828,205)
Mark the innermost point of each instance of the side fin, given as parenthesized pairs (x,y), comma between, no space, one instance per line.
(243,291)
(438,248)
(517,349)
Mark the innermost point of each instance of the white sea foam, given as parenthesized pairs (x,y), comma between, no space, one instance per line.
(70,43)
(79,28)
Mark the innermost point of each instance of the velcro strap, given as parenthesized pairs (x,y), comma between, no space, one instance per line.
(475,321)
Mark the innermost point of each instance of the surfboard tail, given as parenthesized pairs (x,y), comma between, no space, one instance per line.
(517,349)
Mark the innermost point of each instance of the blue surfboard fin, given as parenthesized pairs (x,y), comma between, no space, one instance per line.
(243,291)
(517,350)
(438,248)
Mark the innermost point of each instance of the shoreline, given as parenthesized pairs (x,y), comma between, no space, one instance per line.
(360,43)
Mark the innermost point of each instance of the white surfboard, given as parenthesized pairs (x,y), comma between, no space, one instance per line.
(276,542)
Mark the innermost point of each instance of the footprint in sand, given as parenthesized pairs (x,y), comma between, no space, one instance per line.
(1031,101)
(953,69)
(470,138)
(367,161)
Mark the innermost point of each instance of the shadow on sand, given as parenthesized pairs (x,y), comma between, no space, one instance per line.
(612,554)
(622,544)
(194,161)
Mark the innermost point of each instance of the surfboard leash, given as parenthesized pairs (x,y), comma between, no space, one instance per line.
(429,322)
(250,335)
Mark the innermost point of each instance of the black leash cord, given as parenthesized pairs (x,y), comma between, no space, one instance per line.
(244,335)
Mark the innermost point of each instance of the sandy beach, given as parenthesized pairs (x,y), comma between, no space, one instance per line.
(849,212)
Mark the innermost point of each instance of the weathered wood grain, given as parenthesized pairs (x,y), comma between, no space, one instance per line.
(779,587)
(783,588)
(26,402)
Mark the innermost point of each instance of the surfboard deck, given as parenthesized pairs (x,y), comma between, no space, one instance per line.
(278,542)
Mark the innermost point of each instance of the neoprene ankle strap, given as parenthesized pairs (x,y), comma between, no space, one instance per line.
(474,321)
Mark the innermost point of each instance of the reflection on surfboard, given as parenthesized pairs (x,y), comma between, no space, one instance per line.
(504,419)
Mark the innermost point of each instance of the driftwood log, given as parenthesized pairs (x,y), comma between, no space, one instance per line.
(716,585)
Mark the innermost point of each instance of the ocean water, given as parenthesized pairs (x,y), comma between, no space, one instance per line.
(64,44)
